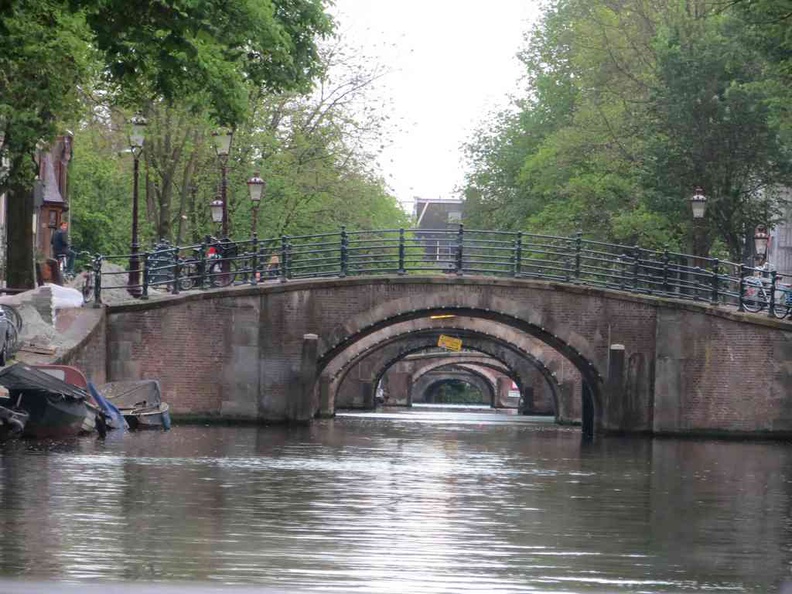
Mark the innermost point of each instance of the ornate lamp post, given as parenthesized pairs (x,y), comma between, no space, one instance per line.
(136,138)
(222,139)
(256,189)
(761,241)
(698,204)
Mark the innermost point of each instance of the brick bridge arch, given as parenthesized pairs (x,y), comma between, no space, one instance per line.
(416,336)
(236,353)
(471,376)
(399,377)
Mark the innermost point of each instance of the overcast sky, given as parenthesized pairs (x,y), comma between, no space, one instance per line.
(450,63)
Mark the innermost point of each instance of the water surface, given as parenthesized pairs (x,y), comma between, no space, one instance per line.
(403,501)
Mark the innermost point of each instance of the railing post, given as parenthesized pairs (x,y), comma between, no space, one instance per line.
(740,296)
(773,283)
(578,249)
(459,253)
(715,280)
(666,260)
(97,280)
(401,270)
(284,257)
(636,265)
(518,254)
(204,254)
(146,262)
(254,260)
(176,272)
(344,264)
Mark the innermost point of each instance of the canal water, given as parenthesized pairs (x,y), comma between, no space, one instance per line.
(419,500)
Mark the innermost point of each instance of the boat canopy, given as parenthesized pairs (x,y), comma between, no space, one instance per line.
(21,378)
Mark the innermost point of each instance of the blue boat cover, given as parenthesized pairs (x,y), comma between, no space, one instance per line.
(108,408)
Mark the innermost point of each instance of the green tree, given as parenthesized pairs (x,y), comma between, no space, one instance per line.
(629,108)
(210,55)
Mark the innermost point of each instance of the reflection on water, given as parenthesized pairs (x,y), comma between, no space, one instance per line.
(409,501)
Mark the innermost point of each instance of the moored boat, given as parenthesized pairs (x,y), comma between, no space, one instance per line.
(140,402)
(54,407)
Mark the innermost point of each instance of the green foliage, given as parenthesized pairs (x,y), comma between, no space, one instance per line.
(310,150)
(456,392)
(209,56)
(632,106)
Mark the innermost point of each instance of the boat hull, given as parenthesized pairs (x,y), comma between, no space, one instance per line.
(151,418)
(53,416)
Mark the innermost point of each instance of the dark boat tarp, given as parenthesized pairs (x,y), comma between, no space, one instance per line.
(56,409)
(23,378)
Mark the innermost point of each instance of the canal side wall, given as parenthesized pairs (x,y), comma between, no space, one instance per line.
(715,374)
(235,353)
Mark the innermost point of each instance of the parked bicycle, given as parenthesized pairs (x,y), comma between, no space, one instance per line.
(757,297)
(161,265)
(10,328)
(216,266)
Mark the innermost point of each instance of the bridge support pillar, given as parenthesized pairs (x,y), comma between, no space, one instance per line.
(526,401)
(615,393)
(502,392)
(303,406)
(369,390)
(326,408)
(398,388)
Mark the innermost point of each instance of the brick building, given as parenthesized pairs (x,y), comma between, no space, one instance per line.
(50,196)
(433,215)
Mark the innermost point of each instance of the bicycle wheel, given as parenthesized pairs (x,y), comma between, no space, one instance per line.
(188,276)
(88,288)
(782,305)
(755,299)
(13,315)
(12,340)
(222,273)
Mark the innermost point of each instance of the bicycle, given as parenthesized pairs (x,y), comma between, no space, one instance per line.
(87,287)
(11,321)
(757,297)
(218,268)
(63,267)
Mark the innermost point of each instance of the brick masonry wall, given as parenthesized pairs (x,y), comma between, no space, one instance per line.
(720,375)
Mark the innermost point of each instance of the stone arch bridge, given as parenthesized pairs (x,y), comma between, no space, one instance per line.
(282,351)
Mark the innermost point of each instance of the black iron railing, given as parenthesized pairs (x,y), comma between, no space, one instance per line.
(457,251)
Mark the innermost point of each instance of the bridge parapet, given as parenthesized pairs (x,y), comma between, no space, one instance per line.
(459,252)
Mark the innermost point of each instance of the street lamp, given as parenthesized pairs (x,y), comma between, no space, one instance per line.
(698,204)
(761,239)
(136,138)
(222,139)
(216,208)
(256,189)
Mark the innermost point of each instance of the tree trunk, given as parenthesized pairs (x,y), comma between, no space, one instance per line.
(19,238)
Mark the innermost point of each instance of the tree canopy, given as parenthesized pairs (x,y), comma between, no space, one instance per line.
(207,56)
(631,105)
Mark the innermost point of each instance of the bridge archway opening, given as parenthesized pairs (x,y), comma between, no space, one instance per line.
(456,391)
(505,333)
(496,377)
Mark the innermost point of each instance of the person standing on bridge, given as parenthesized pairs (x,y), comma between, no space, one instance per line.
(273,266)
(61,247)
